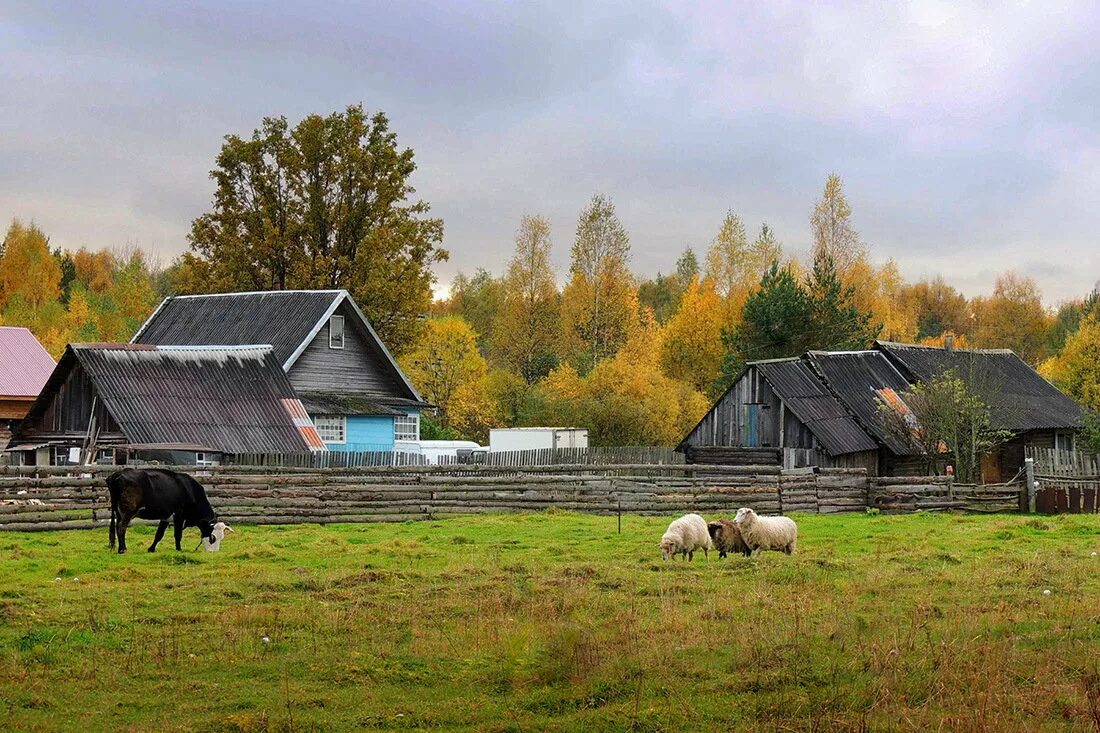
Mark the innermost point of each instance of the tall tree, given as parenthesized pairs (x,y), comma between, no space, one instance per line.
(832,227)
(525,330)
(939,308)
(476,300)
(1014,317)
(766,249)
(447,368)
(662,294)
(599,304)
(326,204)
(29,273)
(1076,370)
(838,322)
(692,348)
(777,321)
(687,266)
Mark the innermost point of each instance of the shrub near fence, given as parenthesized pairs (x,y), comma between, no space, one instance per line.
(75,497)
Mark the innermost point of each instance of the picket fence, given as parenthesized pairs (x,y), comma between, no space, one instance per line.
(46,498)
(1067,482)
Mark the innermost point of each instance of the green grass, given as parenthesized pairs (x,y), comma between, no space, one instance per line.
(555,622)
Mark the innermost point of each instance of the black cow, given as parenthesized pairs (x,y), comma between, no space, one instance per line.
(155,493)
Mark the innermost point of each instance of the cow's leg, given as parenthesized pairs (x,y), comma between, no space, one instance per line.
(123,522)
(178,528)
(114,517)
(160,535)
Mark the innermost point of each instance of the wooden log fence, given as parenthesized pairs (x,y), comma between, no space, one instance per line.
(47,498)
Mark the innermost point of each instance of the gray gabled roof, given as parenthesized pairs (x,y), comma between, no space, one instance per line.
(858,379)
(288,320)
(811,402)
(1019,398)
(231,399)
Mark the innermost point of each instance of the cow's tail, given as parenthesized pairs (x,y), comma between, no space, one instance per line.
(114,505)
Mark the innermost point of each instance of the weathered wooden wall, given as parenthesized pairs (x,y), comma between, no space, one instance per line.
(44,498)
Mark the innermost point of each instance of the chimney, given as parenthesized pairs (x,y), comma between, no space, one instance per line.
(949,342)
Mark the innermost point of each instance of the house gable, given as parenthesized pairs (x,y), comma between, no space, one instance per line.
(360,367)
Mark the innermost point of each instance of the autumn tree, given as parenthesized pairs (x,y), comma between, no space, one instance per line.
(626,399)
(1076,371)
(526,327)
(476,299)
(938,308)
(447,368)
(325,204)
(1014,317)
(599,304)
(832,227)
(692,350)
(94,270)
(662,294)
(29,273)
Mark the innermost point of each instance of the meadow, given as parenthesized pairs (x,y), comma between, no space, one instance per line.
(555,622)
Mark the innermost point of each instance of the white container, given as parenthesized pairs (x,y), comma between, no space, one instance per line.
(513,439)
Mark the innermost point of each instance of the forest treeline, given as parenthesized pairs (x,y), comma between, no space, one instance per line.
(327,203)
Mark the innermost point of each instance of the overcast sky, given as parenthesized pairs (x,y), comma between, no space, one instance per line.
(967,137)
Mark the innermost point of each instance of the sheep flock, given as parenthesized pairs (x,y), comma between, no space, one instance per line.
(747,534)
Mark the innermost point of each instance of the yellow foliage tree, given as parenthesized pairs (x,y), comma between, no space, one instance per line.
(94,270)
(600,302)
(692,350)
(447,368)
(626,400)
(881,291)
(1076,371)
(1013,318)
(735,267)
(28,272)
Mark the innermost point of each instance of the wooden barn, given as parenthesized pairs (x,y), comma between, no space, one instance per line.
(783,404)
(824,409)
(179,405)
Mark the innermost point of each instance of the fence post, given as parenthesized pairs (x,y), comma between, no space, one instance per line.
(1029,474)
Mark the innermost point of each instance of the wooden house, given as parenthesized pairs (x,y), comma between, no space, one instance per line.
(352,387)
(173,404)
(24,368)
(826,408)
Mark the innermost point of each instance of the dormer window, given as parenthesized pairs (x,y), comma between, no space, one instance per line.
(336,332)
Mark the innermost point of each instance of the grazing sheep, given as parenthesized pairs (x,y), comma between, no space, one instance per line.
(726,537)
(766,533)
(684,536)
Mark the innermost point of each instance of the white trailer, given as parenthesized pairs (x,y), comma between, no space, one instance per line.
(512,439)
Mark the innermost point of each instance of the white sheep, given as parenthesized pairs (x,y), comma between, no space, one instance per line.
(684,536)
(766,533)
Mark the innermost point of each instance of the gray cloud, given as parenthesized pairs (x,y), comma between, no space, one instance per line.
(966,134)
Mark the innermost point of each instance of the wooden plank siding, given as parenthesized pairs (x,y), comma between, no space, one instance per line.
(360,367)
(68,413)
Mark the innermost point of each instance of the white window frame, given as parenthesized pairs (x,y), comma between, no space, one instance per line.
(204,458)
(332,321)
(410,419)
(325,423)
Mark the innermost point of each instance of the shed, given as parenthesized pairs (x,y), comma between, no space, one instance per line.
(172,403)
(783,404)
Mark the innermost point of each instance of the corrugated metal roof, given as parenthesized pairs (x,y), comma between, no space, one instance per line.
(24,364)
(855,378)
(284,319)
(1018,397)
(811,402)
(228,399)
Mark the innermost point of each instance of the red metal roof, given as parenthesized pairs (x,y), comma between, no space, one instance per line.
(24,364)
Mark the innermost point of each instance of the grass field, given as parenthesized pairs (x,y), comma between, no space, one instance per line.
(555,622)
